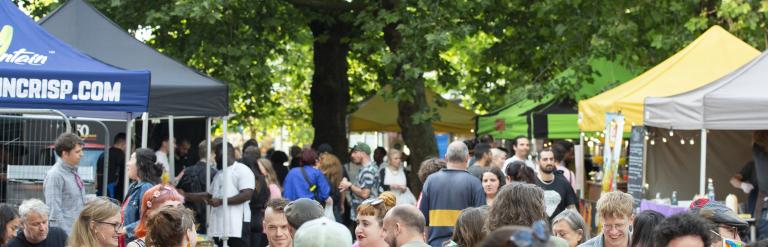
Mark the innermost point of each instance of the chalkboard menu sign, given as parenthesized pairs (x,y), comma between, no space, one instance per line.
(635,163)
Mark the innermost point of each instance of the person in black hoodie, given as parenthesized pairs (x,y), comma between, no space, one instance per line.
(258,199)
(278,159)
(193,181)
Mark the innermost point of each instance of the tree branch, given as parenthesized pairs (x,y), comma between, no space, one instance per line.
(328,5)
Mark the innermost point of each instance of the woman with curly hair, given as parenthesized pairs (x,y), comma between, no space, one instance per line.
(331,168)
(159,196)
(370,220)
(517,204)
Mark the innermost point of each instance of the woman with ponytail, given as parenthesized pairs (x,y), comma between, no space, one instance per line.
(157,197)
(370,220)
(145,172)
(171,227)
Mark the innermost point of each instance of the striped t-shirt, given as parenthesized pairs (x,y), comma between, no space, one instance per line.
(444,195)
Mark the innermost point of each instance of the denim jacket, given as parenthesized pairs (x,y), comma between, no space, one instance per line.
(132,206)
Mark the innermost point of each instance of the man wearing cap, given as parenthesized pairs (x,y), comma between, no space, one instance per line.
(725,222)
(322,232)
(367,185)
(300,211)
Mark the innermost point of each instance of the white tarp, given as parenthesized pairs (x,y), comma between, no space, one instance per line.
(736,101)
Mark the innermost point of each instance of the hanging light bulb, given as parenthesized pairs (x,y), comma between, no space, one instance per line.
(646,138)
(671,133)
(653,142)
(664,139)
(682,141)
(692,142)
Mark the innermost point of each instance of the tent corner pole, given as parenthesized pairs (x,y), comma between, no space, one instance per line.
(208,163)
(703,163)
(144,129)
(128,147)
(225,164)
(171,151)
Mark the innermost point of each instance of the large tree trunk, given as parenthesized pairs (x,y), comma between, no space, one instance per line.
(418,136)
(330,85)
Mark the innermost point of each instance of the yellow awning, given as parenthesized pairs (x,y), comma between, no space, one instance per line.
(380,114)
(712,55)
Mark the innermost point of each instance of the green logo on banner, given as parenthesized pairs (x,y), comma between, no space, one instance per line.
(6,35)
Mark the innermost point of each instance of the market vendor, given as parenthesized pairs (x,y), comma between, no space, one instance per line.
(746,180)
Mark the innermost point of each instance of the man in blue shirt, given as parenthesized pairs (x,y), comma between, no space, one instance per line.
(449,191)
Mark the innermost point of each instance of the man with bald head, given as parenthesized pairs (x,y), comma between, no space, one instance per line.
(447,192)
(403,227)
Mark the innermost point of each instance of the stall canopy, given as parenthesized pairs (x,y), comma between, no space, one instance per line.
(552,117)
(712,55)
(37,70)
(735,102)
(729,108)
(380,114)
(176,89)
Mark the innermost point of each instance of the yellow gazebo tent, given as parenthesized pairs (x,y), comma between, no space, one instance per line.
(380,114)
(712,55)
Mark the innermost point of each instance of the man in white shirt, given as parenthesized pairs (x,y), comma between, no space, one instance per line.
(162,154)
(237,190)
(522,148)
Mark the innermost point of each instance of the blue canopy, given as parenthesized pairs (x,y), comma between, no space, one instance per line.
(38,70)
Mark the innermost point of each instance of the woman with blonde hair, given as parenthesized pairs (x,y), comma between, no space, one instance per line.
(172,227)
(370,220)
(265,166)
(99,225)
(395,179)
(331,168)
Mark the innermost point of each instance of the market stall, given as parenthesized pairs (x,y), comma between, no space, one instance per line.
(551,117)
(723,114)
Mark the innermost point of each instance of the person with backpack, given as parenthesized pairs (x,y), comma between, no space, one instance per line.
(193,181)
(306,181)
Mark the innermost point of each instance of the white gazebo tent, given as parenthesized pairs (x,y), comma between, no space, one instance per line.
(721,115)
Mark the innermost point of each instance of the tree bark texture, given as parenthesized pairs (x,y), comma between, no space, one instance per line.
(330,85)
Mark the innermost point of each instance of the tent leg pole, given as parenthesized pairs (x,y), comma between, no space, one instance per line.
(144,129)
(128,147)
(208,165)
(703,164)
(171,151)
(224,166)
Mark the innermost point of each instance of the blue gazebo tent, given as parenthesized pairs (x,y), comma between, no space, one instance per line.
(39,71)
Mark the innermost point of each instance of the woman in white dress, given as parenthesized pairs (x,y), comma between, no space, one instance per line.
(393,178)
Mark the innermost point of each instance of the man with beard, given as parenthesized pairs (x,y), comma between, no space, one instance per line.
(35,230)
(558,193)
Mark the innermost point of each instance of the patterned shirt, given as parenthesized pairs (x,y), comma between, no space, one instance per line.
(368,178)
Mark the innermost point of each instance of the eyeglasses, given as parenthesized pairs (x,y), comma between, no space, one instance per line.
(527,238)
(620,227)
(117,226)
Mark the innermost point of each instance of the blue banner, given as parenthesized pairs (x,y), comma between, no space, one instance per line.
(39,71)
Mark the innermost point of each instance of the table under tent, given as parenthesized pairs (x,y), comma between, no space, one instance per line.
(39,71)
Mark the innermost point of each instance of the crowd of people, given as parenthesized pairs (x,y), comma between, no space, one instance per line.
(473,196)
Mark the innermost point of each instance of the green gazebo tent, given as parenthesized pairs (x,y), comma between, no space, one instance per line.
(551,117)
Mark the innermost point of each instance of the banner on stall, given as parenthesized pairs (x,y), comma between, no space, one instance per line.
(614,131)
